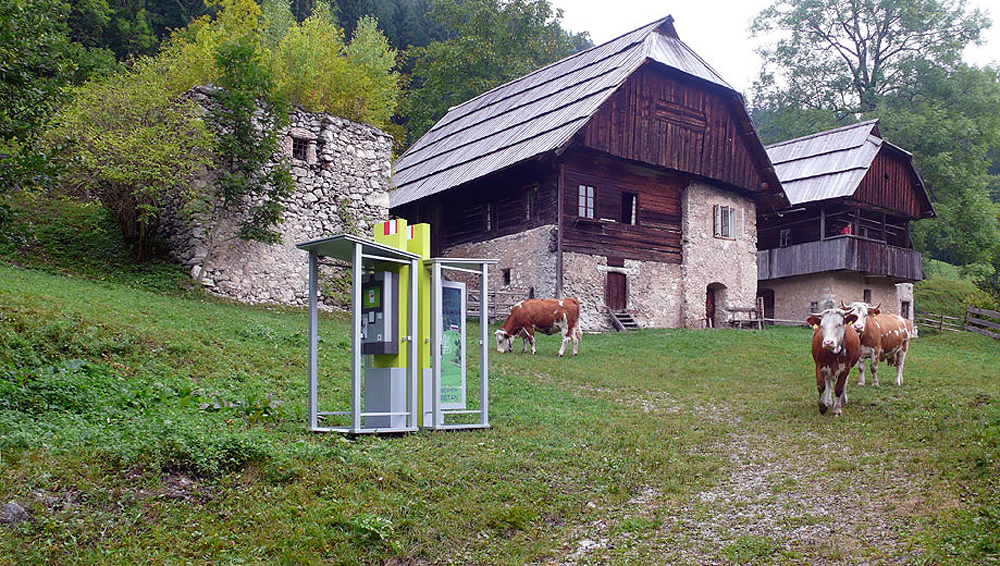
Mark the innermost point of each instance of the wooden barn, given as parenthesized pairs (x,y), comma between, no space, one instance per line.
(627,175)
(846,233)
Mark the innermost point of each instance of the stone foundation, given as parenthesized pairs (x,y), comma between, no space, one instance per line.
(341,171)
(795,298)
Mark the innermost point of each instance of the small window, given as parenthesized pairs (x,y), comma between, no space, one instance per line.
(786,237)
(728,221)
(868,296)
(814,307)
(904,309)
(299,147)
(531,202)
(585,202)
(506,276)
(630,202)
(489,216)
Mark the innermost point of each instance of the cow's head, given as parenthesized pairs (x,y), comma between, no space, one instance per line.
(505,341)
(862,311)
(832,323)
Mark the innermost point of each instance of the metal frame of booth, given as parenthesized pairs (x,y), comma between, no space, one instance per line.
(475,267)
(356,250)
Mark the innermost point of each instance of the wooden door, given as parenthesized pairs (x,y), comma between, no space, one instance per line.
(614,291)
(710,307)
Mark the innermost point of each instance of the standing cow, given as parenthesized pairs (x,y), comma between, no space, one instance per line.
(883,337)
(835,349)
(544,315)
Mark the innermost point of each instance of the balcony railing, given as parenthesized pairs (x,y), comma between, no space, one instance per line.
(847,253)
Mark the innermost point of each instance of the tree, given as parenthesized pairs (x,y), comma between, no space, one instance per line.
(246,117)
(316,70)
(488,42)
(846,54)
(131,145)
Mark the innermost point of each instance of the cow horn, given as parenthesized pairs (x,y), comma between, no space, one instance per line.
(877,306)
(844,307)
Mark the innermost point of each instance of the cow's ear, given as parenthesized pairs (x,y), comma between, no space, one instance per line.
(813,320)
(874,311)
(851,318)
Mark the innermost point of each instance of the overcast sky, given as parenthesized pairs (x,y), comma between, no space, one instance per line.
(715,29)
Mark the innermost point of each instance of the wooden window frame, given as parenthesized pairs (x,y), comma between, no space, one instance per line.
(531,202)
(785,237)
(728,222)
(633,218)
(586,201)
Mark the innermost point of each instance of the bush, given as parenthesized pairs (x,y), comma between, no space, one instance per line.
(132,144)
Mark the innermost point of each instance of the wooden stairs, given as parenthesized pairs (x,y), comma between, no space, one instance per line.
(623,321)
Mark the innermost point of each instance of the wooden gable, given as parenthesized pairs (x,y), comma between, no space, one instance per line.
(675,122)
(891,183)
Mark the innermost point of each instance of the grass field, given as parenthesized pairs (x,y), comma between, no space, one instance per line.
(668,446)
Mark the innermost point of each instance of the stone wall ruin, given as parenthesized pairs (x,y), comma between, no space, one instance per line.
(341,171)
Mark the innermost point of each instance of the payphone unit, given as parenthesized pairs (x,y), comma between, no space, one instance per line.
(380,313)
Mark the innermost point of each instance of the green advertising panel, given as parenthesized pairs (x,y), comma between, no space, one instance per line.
(453,345)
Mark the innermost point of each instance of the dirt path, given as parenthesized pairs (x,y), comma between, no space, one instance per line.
(779,499)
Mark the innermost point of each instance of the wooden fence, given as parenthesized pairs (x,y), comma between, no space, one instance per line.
(500,303)
(980,321)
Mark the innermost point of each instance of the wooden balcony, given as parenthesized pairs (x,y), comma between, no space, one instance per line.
(840,253)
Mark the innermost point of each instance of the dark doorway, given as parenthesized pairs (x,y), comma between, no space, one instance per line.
(767,296)
(710,308)
(615,293)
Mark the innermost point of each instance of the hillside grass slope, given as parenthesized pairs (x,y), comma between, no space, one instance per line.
(139,426)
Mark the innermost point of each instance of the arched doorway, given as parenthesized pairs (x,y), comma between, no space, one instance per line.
(715,304)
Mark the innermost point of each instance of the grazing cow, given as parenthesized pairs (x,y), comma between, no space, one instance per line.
(544,315)
(883,337)
(835,349)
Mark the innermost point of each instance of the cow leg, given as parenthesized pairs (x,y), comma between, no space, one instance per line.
(823,386)
(861,371)
(576,337)
(531,339)
(900,357)
(565,332)
(840,390)
(874,368)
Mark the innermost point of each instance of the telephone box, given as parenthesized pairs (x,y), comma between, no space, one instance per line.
(408,346)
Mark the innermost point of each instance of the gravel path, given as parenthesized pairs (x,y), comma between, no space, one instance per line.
(780,500)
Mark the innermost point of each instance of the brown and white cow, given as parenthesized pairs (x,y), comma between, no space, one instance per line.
(547,316)
(835,349)
(883,337)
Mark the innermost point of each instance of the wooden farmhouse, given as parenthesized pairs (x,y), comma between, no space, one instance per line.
(628,175)
(846,233)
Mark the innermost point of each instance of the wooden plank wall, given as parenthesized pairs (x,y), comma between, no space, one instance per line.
(667,120)
(657,234)
(891,184)
(458,215)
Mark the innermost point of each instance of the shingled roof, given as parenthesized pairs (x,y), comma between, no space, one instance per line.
(536,113)
(831,164)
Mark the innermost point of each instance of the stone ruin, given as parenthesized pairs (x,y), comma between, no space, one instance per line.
(341,171)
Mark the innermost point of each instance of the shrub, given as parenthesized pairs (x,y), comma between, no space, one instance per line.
(131,144)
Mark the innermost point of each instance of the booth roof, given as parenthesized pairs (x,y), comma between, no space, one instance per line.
(341,246)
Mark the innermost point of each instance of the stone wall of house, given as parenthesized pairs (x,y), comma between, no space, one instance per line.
(528,258)
(653,290)
(341,170)
(796,297)
(729,265)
